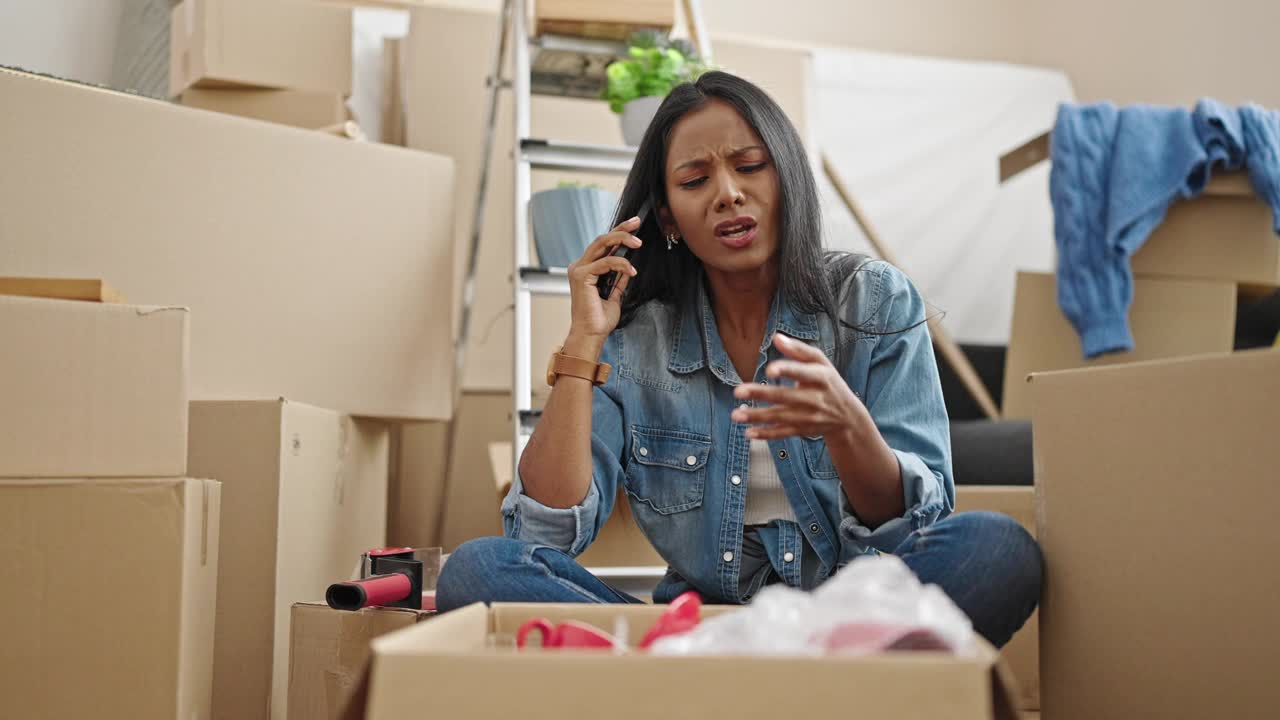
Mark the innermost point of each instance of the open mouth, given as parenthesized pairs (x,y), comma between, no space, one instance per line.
(736,228)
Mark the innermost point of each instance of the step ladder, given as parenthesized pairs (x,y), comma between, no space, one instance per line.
(546,65)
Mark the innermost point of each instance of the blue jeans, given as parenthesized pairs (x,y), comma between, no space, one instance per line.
(986,562)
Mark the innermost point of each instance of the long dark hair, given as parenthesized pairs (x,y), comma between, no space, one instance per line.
(807,277)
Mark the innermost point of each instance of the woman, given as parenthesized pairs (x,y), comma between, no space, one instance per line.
(772,412)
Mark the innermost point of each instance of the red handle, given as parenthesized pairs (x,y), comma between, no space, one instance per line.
(377,590)
(541,625)
(681,616)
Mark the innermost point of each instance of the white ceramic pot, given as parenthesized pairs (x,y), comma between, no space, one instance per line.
(567,219)
(636,116)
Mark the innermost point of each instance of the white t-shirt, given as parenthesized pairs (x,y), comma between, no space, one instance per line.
(766,500)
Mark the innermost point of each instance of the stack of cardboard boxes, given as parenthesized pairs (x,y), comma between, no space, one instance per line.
(284,61)
(1155,591)
(108,549)
(1208,254)
(315,269)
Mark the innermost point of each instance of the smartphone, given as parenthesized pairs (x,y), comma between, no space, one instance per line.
(607,281)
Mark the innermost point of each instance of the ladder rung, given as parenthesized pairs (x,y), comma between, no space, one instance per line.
(556,155)
(640,572)
(544,280)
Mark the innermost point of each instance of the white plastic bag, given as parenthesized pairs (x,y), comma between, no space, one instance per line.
(873,604)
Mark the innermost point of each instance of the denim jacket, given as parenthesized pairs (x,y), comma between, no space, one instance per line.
(661,430)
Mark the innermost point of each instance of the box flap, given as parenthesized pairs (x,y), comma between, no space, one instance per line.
(1024,157)
(1037,150)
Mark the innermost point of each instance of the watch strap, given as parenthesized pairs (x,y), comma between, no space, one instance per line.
(596,372)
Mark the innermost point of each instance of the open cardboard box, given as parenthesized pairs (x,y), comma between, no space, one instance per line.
(1170,317)
(464,668)
(1155,488)
(1226,233)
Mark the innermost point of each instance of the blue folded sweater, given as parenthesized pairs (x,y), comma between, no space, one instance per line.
(1115,173)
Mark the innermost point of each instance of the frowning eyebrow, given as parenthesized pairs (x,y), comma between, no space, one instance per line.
(702,161)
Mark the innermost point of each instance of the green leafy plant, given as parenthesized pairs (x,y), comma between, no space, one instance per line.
(655,64)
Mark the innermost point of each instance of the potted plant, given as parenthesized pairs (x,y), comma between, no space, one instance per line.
(636,86)
(566,220)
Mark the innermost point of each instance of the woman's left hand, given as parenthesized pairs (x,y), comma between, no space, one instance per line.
(819,404)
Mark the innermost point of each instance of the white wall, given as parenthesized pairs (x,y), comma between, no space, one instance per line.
(74,39)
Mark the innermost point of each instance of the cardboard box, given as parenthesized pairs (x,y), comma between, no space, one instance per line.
(300,108)
(1023,652)
(451,649)
(260,43)
(417,484)
(318,268)
(423,482)
(1161,583)
(92,390)
(305,490)
(1170,317)
(609,20)
(329,654)
(1225,234)
(108,603)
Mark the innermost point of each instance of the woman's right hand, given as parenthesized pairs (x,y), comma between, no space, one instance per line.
(594,318)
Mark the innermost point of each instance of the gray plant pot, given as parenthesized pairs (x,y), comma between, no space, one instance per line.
(636,116)
(567,219)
